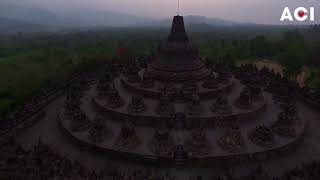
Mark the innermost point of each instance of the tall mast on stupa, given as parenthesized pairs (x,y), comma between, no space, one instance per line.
(178,7)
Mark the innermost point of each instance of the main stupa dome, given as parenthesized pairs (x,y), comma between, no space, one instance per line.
(177,58)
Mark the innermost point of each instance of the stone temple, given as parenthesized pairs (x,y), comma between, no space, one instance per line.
(173,112)
(178,111)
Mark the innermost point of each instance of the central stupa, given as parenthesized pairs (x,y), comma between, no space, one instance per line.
(178,59)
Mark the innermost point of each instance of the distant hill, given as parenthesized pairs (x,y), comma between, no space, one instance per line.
(191,19)
(13,26)
(94,17)
(74,18)
(198,20)
(32,15)
(30,18)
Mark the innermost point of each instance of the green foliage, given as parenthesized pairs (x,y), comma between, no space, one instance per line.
(29,63)
(314,78)
(295,53)
(24,75)
(6,105)
(233,50)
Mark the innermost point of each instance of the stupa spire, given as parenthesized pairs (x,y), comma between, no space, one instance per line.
(178,59)
(178,31)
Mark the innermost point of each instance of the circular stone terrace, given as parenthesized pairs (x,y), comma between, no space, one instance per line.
(149,116)
(218,129)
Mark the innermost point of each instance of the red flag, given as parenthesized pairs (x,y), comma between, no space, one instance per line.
(122,51)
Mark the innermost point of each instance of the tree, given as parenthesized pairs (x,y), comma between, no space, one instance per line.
(295,53)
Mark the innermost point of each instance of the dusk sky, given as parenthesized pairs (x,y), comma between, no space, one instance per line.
(257,11)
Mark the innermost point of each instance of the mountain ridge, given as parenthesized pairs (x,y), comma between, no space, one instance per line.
(91,18)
